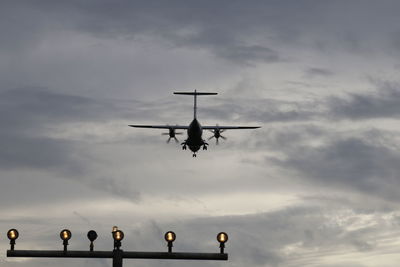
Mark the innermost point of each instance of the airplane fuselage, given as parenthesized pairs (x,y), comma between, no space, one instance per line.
(194,132)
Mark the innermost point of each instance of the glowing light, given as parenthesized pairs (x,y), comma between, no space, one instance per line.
(118,235)
(170,236)
(65,234)
(12,234)
(222,237)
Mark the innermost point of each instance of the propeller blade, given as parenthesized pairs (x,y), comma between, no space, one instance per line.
(216,141)
(223,137)
(165,134)
(168,140)
(211,137)
(178,133)
(176,140)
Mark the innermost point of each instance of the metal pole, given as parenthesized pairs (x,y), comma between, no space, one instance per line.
(117,258)
(111,254)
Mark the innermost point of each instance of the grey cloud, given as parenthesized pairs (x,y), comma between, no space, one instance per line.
(24,151)
(384,103)
(266,236)
(301,235)
(249,54)
(232,24)
(263,110)
(287,137)
(315,72)
(32,109)
(25,114)
(28,107)
(233,30)
(347,163)
(117,188)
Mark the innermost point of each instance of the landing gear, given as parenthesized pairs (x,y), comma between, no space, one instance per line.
(184,145)
(205,145)
(194,155)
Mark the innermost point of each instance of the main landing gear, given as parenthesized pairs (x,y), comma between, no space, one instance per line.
(184,146)
(194,155)
(205,145)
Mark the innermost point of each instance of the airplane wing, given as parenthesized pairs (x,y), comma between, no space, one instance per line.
(229,127)
(160,126)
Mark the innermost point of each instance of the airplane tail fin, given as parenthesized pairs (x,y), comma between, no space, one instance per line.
(195,94)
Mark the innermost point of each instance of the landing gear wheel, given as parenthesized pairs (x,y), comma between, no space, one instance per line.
(204,147)
(184,147)
(194,155)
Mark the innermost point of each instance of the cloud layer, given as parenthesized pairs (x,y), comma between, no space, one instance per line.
(315,186)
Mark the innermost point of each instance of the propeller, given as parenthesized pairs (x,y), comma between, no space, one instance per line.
(217,134)
(172,134)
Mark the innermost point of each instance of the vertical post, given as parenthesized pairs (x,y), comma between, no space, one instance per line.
(222,247)
(117,258)
(65,243)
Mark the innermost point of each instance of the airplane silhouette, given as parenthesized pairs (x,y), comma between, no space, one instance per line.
(194,131)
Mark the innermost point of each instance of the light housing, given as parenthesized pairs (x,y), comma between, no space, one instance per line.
(118,235)
(65,235)
(12,234)
(170,236)
(92,235)
(222,238)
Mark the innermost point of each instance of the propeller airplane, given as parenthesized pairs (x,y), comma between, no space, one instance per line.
(195,130)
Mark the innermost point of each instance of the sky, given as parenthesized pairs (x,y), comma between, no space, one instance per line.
(317,185)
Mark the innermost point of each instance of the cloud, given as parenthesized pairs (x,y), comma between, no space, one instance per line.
(65,147)
(321,72)
(347,163)
(26,114)
(262,110)
(383,103)
(23,151)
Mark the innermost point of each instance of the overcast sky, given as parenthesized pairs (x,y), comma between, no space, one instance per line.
(317,185)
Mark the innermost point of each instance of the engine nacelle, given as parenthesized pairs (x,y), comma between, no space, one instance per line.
(172,132)
(217,133)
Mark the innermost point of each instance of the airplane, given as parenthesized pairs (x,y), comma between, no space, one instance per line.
(194,131)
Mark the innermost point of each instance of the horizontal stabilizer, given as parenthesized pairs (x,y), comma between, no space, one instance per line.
(194,93)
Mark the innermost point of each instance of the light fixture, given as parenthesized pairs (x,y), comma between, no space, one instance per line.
(65,235)
(170,238)
(222,237)
(92,235)
(118,235)
(12,234)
